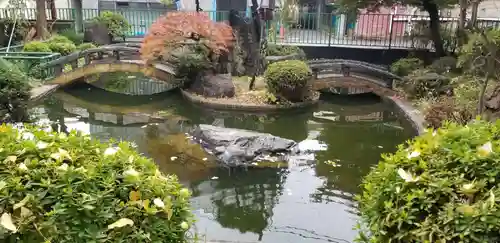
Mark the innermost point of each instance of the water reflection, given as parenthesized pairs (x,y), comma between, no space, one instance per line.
(301,203)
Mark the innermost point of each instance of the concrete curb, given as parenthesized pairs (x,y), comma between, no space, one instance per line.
(406,109)
(40,92)
(245,107)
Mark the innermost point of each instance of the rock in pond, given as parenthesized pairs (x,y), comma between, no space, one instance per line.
(220,85)
(238,147)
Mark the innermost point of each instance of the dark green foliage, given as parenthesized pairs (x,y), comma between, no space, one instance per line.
(190,60)
(36,46)
(405,66)
(425,84)
(289,79)
(444,65)
(63,48)
(76,38)
(441,187)
(117,25)
(474,53)
(59,187)
(14,93)
(85,46)
(284,50)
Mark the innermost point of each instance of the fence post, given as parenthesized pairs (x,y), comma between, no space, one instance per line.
(391,30)
(330,26)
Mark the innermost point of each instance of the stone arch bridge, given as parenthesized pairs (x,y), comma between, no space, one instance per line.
(341,73)
(328,73)
(105,59)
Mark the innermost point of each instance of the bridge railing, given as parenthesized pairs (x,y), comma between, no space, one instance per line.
(85,57)
(27,61)
(380,75)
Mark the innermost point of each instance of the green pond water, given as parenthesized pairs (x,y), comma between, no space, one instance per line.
(310,203)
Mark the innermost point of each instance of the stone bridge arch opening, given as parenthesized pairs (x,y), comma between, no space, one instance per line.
(340,73)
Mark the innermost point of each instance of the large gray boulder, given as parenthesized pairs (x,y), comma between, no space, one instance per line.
(220,85)
(237,147)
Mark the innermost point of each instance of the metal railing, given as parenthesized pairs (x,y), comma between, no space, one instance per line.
(27,61)
(303,28)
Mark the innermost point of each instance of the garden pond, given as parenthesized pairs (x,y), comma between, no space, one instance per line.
(306,202)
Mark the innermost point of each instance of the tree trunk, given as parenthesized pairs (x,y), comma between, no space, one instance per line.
(461,22)
(433,11)
(41,20)
(473,19)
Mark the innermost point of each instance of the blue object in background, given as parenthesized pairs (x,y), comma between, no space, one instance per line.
(178,4)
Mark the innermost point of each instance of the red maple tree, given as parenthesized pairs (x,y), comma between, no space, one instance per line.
(176,29)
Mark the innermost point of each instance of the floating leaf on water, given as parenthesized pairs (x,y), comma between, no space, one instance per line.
(134,196)
(6,222)
(173,158)
(215,178)
(204,159)
(121,223)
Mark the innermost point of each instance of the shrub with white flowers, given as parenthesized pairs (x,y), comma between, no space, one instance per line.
(443,186)
(56,187)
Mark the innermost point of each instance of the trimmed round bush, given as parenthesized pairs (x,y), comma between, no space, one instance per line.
(57,187)
(284,50)
(405,66)
(36,46)
(62,48)
(440,187)
(85,46)
(60,39)
(289,79)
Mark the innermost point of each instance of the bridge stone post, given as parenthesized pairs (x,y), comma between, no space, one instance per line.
(87,59)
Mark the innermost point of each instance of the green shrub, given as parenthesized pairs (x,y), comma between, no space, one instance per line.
(117,25)
(405,66)
(36,46)
(56,187)
(473,54)
(14,93)
(288,78)
(59,39)
(284,50)
(76,38)
(85,46)
(424,84)
(441,187)
(444,65)
(63,48)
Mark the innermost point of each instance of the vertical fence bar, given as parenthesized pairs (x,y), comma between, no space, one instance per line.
(391,30)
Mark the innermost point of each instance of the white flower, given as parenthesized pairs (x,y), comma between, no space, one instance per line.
(485,149)
(434,133)
(173,158)
(413,154)
(204,159)
(81,169)
(63,167)
(468,186)
(22,167)
(215,178)
(184,225)
(61,154)
(121,223)
(158,203)
(41,145)
(408,177)
(110,151)
(27,136)
(6,222)
(131,172)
